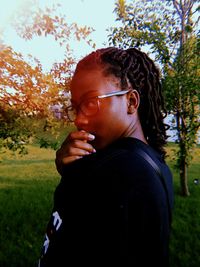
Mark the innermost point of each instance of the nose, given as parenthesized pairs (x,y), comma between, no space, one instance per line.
(81,120)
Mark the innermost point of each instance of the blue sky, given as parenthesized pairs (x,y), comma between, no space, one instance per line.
(94,13)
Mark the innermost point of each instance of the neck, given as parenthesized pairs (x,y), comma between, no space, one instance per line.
(135,130)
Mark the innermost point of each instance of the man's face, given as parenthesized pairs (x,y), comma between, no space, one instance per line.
(112,120)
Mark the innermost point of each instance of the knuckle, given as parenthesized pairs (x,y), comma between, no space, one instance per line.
(70,150)
(70,135)
(75,143)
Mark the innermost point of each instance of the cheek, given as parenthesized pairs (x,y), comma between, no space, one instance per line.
(109,124)
(102,128)
(107,130)
(111,120)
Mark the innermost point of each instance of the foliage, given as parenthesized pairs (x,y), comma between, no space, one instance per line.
(152,25)
(26,91)
(184,99)
(43,22)
(24,87)
(169,31)
(10,133)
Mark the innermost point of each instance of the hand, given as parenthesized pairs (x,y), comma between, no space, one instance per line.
(74,147)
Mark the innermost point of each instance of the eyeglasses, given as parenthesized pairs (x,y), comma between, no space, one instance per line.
(90,106)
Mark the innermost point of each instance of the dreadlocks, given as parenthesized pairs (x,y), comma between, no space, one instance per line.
(134,67)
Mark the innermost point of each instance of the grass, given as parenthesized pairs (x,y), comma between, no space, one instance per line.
(185,242)
(26,195)
(26,190)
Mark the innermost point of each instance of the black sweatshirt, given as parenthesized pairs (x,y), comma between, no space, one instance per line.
(111,209)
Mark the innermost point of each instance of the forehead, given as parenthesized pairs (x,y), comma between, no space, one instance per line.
(92,82)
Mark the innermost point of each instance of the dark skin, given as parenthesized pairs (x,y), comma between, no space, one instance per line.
(117,117)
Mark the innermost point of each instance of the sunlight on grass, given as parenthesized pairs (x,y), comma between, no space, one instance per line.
(34,153)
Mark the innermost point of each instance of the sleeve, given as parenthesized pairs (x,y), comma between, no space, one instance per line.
(51,254)
(59,245)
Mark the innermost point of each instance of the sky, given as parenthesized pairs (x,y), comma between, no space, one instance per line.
(94,13)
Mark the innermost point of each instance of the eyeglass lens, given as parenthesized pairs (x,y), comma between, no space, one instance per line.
(88,107)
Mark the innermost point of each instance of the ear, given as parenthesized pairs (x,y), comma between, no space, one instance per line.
(133,101)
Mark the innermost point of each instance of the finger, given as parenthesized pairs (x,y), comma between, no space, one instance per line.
(82,145)
(70,159)
(81,135)
(79,149)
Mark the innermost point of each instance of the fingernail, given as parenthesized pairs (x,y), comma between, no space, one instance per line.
(91,136)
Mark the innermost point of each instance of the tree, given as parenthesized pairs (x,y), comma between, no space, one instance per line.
(168,29)
(26,91)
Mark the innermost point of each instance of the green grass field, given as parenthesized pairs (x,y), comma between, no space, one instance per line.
(26,195)
(26,190)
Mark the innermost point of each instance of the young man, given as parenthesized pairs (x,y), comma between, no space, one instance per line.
(113,204)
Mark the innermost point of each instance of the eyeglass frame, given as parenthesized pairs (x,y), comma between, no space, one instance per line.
(78,108)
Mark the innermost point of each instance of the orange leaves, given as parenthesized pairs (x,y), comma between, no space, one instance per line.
(23,86)
(23,83)
(25,89)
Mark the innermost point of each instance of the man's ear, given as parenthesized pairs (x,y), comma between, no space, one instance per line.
(133,100)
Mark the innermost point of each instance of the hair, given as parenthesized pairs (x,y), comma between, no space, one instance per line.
(135,68)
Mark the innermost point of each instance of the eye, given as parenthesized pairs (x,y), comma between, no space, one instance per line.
(90,104)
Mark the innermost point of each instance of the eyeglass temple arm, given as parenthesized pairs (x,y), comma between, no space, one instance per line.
(123,92)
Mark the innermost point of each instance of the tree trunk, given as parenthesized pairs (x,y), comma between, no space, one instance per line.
(183,9)
(183,171)
(184,180)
